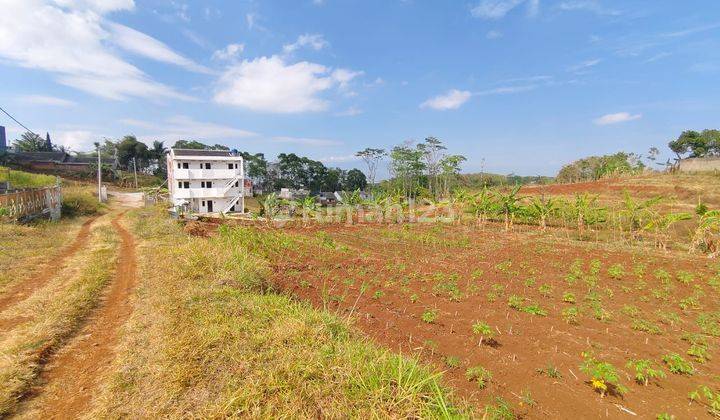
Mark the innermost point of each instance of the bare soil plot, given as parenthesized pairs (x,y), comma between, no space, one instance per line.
(428,289)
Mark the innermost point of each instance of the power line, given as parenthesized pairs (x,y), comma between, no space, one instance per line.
(19,123)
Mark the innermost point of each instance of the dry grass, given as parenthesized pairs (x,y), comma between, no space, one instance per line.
(52,314)
(20,179)
(206,340)
(23,248)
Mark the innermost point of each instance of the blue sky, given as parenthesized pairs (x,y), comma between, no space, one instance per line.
(525,85)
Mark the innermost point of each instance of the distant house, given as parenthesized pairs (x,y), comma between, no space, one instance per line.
(326,198)
(206,181)
(293,193)
(52,161)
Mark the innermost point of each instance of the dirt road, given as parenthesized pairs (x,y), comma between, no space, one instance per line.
(24,289)
(71,376)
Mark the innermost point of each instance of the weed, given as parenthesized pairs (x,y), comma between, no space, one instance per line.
(430,316)
(478,374)
(645,370)
(676,364)
(499,411)
(452,362)
(604,377)
(527,399)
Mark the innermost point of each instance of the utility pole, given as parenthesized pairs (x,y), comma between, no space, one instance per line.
(99,171)
(135,171)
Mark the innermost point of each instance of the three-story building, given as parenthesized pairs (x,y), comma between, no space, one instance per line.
(206,181)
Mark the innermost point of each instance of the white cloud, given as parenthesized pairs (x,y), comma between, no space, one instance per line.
(584,65)
(453,99)
(75,140)
(147,46)
(305,141)
(493,35)
(592,6)
(269,84)
(313,41)
(182,127)
(339,159)
(693,30)
(619,117)
(497,9)
(45,100)
(75,44)
(230,52)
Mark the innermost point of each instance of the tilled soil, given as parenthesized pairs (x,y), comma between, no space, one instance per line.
(387,277)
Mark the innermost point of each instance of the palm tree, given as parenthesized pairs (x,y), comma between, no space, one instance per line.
(158,150)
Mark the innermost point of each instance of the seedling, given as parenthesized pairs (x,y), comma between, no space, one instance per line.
(630,310)
(485,331)
(430,315)
(712,398)
(545,290)
(551,372)
(571,315)
(568,297)
(529,282)
(500,411)
(684,277)
(616,271)
(676,364)
(478,374)
(414,298)
(527,399)
(515,302)
(645,370)
(378,294)
(604,377)
(645,326)
(535,309)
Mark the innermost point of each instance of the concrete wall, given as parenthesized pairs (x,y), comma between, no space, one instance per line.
(699,164)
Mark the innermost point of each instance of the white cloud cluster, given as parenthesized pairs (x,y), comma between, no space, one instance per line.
(269,84)
(617,118)
(74,40)
(314,41)
(453,99)
(230,52)
(182,127)
(45,100)
(592,6)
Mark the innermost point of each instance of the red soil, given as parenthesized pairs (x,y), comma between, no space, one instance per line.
(405,264)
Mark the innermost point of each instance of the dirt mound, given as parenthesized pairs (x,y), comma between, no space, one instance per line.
(201,229)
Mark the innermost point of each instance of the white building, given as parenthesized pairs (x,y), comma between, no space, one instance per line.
(206,181)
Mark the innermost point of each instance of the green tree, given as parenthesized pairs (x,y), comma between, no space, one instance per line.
(371,157)
(450,170)
(194,144)
(697,144)
(31,142)
(355,180)
(130,148)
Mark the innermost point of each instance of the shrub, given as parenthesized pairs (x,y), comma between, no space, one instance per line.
(645,370)
(80,202)
(478,374)
(604,377)
(677,364)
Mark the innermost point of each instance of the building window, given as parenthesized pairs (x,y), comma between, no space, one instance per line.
(186,184)
(230,166)
(237,183)
(203,203)
(207,166)
(208,184)
(186,165)
(202,184)
(178,165)
(179,184)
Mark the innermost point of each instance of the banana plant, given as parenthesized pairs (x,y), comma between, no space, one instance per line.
(543,208)
(482,204)
(509,205)
(660,224)
(585,211)
(636,213)
(271,207)
(707,233)
(459,202)
(309,208)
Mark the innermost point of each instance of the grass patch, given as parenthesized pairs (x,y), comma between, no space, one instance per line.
(21,179)
(207,337)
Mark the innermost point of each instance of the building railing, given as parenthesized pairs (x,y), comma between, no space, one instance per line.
(205,192)
(194,174)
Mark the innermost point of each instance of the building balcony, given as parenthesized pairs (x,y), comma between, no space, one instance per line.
(205,192)
(194,174)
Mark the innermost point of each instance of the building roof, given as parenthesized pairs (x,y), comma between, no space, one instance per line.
(41,156)
(201,152)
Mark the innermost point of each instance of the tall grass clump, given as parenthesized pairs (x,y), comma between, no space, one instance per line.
(209,339)
(80,201)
